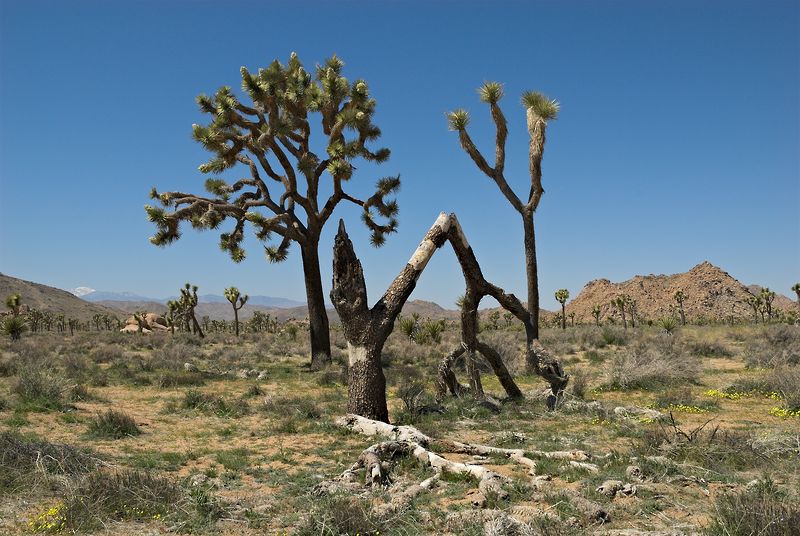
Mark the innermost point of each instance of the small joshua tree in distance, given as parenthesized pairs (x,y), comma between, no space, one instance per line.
(680,297)
(796,290)
(237,302)
(596,312)
(562,295)
(13,303)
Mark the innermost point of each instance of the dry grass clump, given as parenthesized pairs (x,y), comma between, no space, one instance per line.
(763,509)
(101,497)
(113,425)
(775,346)
(786,382)
(24,461)
(107,353)
(656,361)
(180,378)
(172,356)
(217,405)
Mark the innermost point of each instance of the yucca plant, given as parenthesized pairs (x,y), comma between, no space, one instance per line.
(14,326)
(668,324)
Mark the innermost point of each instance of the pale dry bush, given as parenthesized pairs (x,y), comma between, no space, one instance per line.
(511,347)
(653,361)
(774,346)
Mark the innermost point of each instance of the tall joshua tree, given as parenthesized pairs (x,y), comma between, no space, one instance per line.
(183,308)
(540,110)
(621,302)
(271,139)
(756,303)
(562,295)
(680,297)
(237,302)
(596,312)
(768,296)
(796,290)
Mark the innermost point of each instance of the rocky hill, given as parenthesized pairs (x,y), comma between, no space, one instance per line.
(51,299)
(711,293)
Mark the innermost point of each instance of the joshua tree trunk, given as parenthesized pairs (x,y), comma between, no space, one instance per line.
(563,316)
(531,271)
(196,326)
(236,320)
(366,329)
(317,316)
(683,316)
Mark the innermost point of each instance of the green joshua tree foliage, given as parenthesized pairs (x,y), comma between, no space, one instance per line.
(508,317)
(796,290)
(539,110)
(271,139)
(632,309)
(187,303)
(680,297)
(494,320)
(756,303)
(620,303)
(562,295)
(237,302)
(13,303)
(572,319)
(596,312)
(767,296)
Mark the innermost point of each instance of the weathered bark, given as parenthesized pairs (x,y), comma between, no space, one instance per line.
(367,329)
(563,317)
(531,271)
(317,315)
(236,319)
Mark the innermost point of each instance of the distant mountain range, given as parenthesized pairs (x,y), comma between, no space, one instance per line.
(94,296)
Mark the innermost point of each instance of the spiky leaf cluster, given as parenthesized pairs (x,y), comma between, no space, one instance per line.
(542,106)
(562,295)
(270,136)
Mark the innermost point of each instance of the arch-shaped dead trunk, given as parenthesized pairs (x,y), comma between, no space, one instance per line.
(366,329)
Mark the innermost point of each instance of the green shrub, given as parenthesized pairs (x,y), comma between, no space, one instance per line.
(114,425)
(39,388)
(214,404)
(13,326)
(24,461)
(180,379)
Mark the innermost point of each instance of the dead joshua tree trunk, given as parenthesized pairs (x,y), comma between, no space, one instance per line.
(366,330)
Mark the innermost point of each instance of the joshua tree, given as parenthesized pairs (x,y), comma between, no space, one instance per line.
(562,295)
(680,297)
(13,303)
(796,290)
(494,320)
(508,317)
(233,296)
(539,111)
(620,303)
(182,309)
(632,309)
(272,137)
(756,303)
(572,319)
(767,296)
(596,312)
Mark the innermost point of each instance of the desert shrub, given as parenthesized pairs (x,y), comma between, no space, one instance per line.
(113,425)
(80,393)
(614,335)
(335,515)
(23,461)
(107,353)
(412,394)
(75,366)
(40,388)
(560,342)
(786,382)
(777,345)
(217,405)
(180,378)
(762,510)
(127,495)
(172,356)
(682,397)
(301,407)
(254,390)
(579,382)
(710,348)
(653,362)
(511,347)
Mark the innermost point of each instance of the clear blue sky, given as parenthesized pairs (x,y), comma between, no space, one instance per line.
(678,141)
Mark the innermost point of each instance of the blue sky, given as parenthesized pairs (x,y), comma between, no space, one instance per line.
(678,140)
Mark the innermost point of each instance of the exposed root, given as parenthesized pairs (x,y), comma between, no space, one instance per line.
(408,441)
